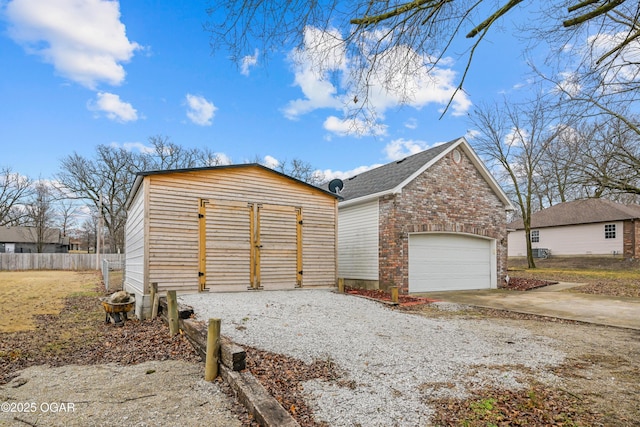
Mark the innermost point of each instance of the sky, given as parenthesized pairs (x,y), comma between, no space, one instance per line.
(75,74)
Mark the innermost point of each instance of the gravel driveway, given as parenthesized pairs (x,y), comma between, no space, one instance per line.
(391,360)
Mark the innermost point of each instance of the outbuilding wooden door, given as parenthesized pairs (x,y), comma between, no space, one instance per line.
(250,245)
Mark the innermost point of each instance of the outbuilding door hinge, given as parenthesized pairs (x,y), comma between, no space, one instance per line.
(200,274)
(200,216)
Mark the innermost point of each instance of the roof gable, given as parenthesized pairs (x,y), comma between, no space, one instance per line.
(393,177)
(584,211)
(140,176)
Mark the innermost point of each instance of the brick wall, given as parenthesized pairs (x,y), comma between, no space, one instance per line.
(448,197)
(631,236)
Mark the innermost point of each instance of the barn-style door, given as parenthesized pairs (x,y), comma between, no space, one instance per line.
(250,245)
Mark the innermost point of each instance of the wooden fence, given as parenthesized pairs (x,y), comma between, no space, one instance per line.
(16,262)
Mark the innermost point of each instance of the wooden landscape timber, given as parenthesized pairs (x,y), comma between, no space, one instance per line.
(231,355)
(261,405)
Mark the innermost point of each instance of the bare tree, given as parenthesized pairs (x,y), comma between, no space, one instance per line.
(164,154)
(559,177)
(39,211)
(295,168)
(14,190)
(514,140)
(302,171)
(610,158)
(390,40)
(89,230)
(66,213)
(105,182)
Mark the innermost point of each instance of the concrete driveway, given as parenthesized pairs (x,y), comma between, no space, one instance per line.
(619,312)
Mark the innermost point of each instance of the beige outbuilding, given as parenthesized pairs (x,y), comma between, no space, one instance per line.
(227,228)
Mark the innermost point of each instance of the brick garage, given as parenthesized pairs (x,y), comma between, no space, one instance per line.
(432,221)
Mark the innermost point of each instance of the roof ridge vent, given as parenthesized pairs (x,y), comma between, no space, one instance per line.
(400,161)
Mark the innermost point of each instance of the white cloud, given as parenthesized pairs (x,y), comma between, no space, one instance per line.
(570,83)
(401,148)
(223,159)
(83,39)
(517,137)
(472,134)
(411,123)
(323,71)
(331,174)
(624,63)
(248,62)
(200,110)
(114,108)
(311,73)
(138,146)
(270,162)
(353,127)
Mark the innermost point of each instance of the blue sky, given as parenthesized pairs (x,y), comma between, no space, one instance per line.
(75,74)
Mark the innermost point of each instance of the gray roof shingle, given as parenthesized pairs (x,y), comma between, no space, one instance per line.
(27,235)
(389,176)
(583,211)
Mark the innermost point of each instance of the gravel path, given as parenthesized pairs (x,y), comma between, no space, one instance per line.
(392,361)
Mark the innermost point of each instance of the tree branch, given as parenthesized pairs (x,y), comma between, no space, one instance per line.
(400,10)
(593,14)
(491,19)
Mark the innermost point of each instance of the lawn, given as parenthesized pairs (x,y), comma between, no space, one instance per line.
(602,275)
(26,295)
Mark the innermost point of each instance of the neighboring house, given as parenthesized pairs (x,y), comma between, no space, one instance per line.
(227,228)
(581,227)
(25,240)
(432,221)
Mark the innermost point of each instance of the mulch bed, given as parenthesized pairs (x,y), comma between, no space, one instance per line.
(522,284)
(384,296)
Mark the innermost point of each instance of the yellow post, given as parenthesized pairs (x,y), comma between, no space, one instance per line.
(152,298)
(202,245)
(213,350)
(341,285)
(172,306)
(394,294)
(299,247)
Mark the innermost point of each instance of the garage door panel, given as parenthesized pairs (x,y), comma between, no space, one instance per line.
(439,262)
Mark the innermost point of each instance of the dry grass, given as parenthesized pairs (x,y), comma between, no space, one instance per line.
(603,275)
(26,294)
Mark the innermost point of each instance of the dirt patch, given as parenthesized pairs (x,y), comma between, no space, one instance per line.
(598,381)
(154,393)
(26,295)
(131,375)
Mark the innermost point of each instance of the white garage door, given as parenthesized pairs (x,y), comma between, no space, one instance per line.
(445,262)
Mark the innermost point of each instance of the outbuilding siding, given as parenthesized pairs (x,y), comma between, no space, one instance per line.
(134,244)
(164,229)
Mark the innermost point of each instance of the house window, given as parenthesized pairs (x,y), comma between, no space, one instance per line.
(535,236)
(609,231)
